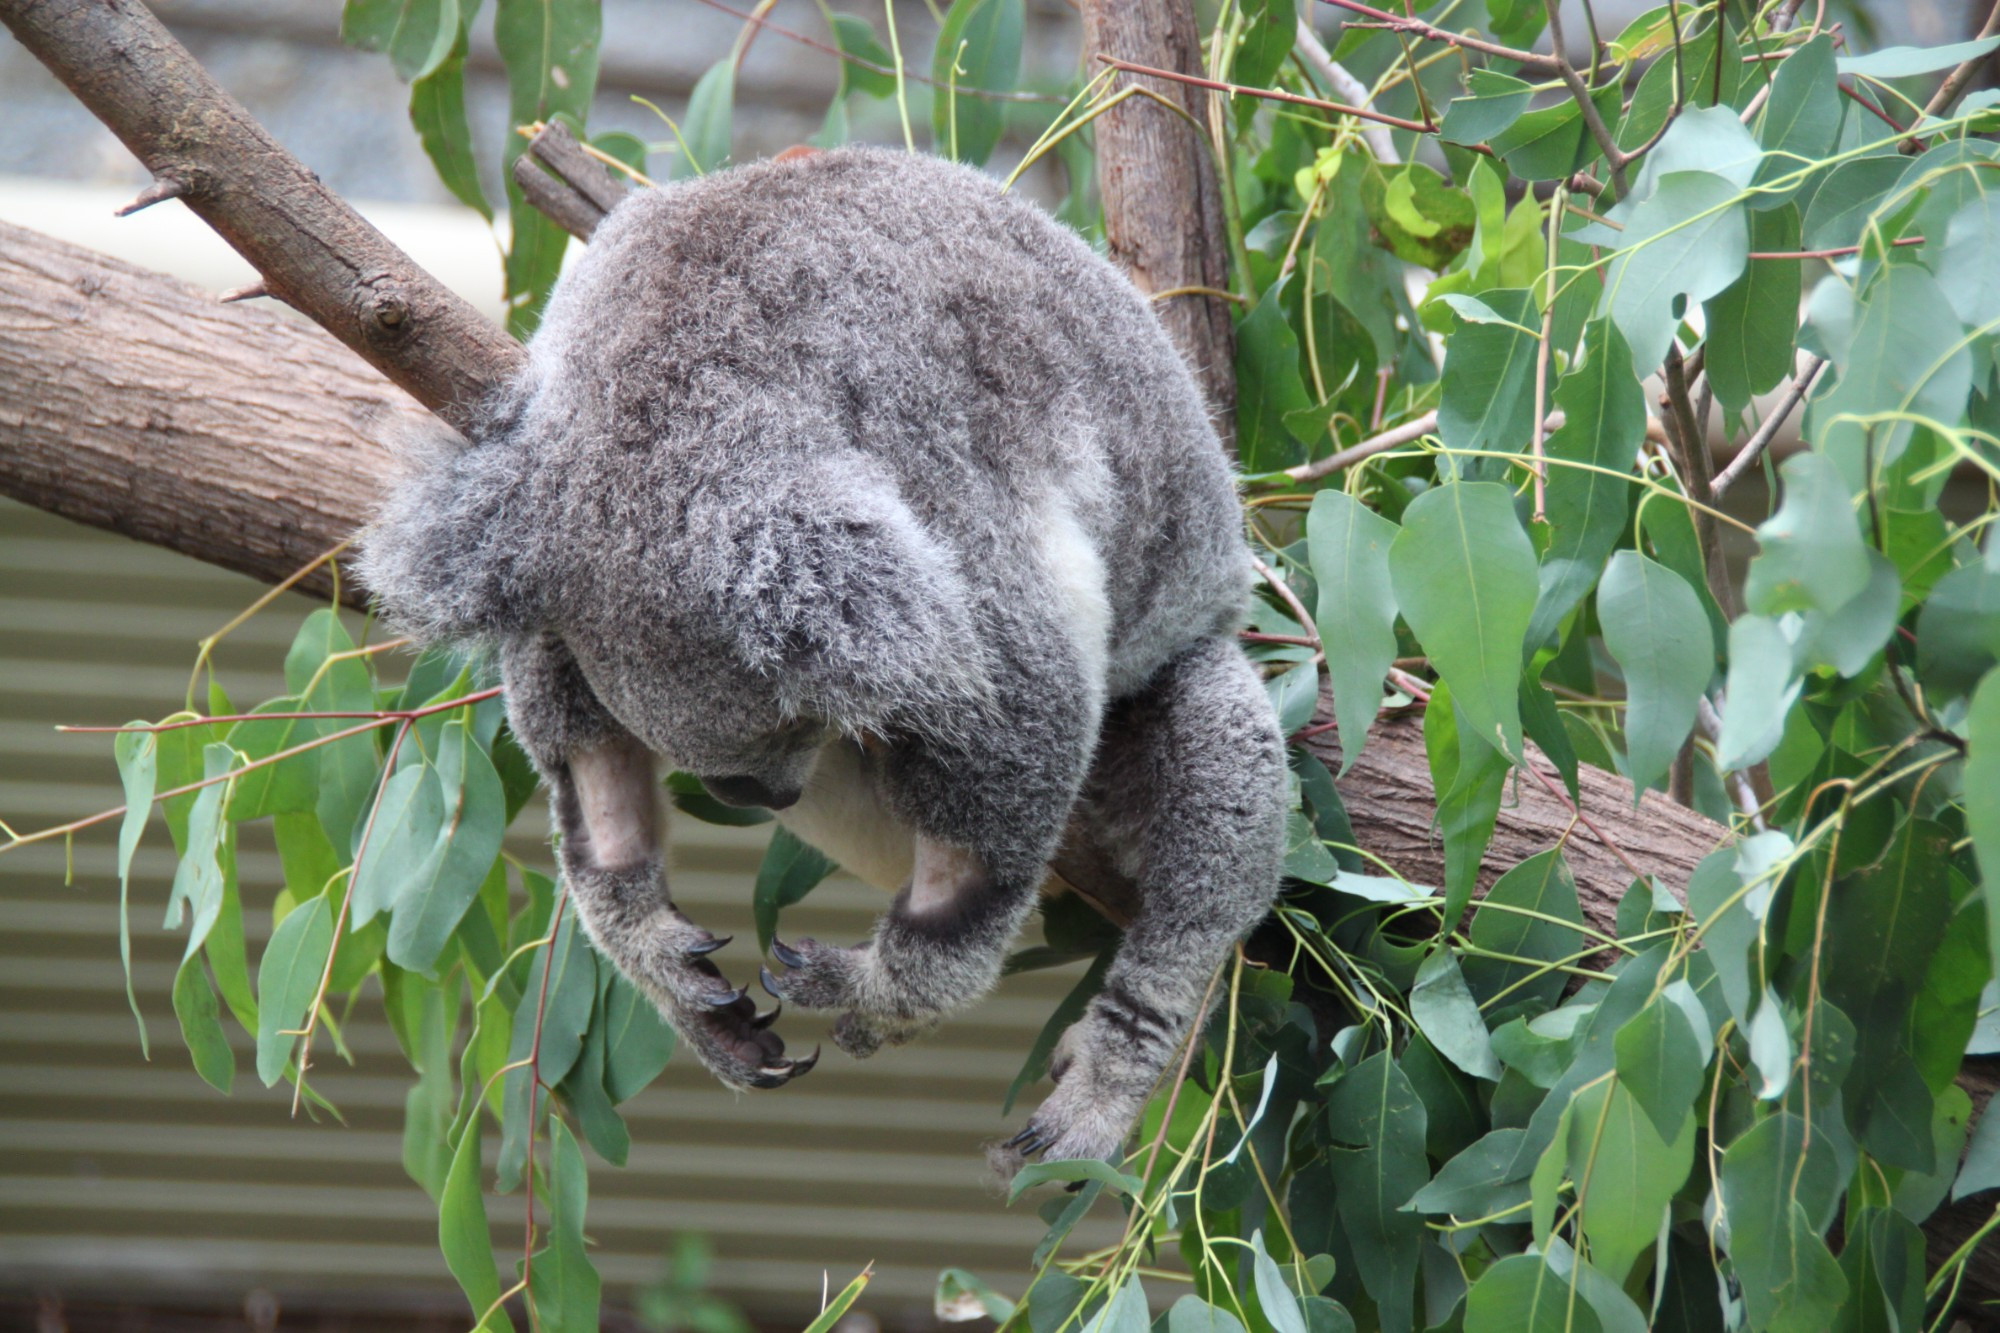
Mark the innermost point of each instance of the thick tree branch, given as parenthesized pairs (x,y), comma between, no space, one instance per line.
(314,252)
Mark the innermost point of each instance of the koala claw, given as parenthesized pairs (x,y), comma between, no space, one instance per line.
(762,1021)
(783,1072)
(708,946)
(785,954)
(818,976)
(727,998)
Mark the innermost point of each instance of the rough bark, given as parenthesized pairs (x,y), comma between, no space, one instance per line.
(1162,208)
(135,402)
(314,252)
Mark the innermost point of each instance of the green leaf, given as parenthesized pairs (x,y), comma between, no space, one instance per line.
(1375,1106)
(549,48)
(1522,1294)
(467,842)
(1899,62)
(465,1235)
(287,979)
(791,870)
(838,1307)
(1810,555)
(1626,1173)
(1489,376)
(1543,894)
(347,768)
(1801,119)
(1883,1261)
(1493,102)
(1690,238)
(1464,573)
(1422,218)
(289,786)
(407,822)
(1762,686)
(1294,696)
(1444,1009)
(1846,199)
(1274,1296)
(1269,387)
(1603,426)
(1753,322)
(1270,30)
(1041,1173)
(1473,778)
(705,130)
(198,880)
(1982,797)
(437,110)
(1968,263)
(1709,139)
(1654,626)
(1903,358)
(201,1025)
(637,1041)
(550,1019)
(979,46)
(1981,1170)
(427,1106)
(1662,1061)
(564,1285)
(1479,1181)
(856,40)
(137,753)
(1192,1314)
(1958,631)
(1778,1188)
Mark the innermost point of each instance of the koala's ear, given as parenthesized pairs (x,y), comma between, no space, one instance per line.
(834,590)
(447,555)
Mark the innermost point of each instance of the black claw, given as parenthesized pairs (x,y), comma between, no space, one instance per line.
(1029,1141)
(762,1021)
(805,1066)
(708,946)
(770,984)
(785,954)
(727,998)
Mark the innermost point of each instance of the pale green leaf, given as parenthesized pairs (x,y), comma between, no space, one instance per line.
(1655,627)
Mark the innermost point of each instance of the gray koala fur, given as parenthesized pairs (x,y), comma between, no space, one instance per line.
(859,488)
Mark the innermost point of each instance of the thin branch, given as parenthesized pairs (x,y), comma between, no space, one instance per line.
(1697,472)
(1269,94)
(1394,437)
(1955,82)
(1579,92)
(1338,80)
(1753,449)
(990,94)
(1382,18)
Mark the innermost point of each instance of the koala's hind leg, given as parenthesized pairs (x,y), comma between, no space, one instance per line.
(1188,795)
(605,791)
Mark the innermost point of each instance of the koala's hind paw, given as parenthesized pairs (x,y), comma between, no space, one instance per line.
(1072,1125)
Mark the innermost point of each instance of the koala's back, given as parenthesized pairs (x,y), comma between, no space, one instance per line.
(901,313)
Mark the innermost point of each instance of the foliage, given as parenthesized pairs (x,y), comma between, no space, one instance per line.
(1732,1106)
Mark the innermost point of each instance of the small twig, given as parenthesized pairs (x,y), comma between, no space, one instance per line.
(249,291)
(1746,457)
(1880,114)
(161,190)
(1269,94)
(1831,252)
(1579,92)
(1392,438)
(1697,470)
(1611,846)
(1955,82)
(1338,80)
(1291,599)
(1418,28)
(1542,353)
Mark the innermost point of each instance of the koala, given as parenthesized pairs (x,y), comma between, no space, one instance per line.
(872,496)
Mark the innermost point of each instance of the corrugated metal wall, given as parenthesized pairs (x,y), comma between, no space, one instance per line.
(120,1178)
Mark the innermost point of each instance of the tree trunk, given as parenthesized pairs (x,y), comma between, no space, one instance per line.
(1162,210)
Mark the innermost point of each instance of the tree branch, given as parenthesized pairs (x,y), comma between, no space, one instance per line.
(314,252)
